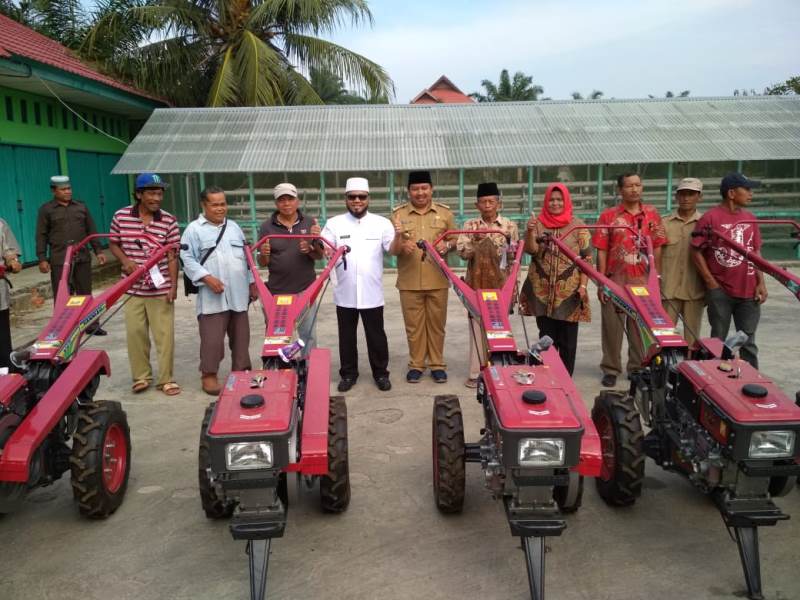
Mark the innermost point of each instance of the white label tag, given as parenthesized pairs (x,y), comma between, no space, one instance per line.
(156,277)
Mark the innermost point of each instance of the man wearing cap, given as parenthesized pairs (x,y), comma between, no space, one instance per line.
(734,287)
(61,222)
(359,288)
(488,204)
(681,285)
(619,257)
(423,288)
(290,262)
(149,306)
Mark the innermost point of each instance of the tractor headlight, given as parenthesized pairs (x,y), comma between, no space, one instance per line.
(541,452)
(771,444)
(248,455)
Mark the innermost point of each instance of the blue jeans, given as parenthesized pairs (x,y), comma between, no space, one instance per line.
(745,312)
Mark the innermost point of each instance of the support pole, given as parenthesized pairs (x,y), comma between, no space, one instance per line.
(323,209)
(739,166)
(599,189)
(461,196)
(202,177)
(391,191)
(534,560)
(530,190)
(252,195)
(188,182)
(669,187)
(258,559)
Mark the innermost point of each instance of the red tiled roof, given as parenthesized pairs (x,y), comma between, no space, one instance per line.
(443,91)
(18,40)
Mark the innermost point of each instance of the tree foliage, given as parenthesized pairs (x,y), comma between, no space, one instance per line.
(789,87)
(520,88)
(595,95)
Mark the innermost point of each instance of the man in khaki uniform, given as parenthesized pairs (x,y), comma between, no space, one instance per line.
(681,285)
(423,288)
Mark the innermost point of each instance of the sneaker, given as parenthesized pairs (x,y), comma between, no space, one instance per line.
(439,375)
(345,384)
(413,375)
(472,382)
(608,380)
(383,384)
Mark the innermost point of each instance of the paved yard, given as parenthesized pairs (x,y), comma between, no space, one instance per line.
(391,544)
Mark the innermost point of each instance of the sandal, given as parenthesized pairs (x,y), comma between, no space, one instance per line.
(170,389)
(139,386)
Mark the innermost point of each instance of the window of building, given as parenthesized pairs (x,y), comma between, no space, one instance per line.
(85,122)
(50,117)
(104,124)
(37,113)
(75,121)
(9,108)
(23,111)
(64,118)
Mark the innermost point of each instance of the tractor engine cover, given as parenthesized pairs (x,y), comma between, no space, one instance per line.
(731,399)
(254,406)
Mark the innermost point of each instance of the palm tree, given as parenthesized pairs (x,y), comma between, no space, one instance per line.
(595,95)
(669,94)
(231,52)
(506,90)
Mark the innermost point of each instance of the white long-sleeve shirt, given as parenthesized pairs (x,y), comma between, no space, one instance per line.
(361,285)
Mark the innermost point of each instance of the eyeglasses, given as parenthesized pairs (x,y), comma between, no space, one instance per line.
(357,196)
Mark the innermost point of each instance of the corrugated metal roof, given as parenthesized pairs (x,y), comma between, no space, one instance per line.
(442,136)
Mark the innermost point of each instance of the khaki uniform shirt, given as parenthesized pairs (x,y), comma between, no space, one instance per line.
(679,277)
(412,272)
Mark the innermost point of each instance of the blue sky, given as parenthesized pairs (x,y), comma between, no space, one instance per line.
(626,48)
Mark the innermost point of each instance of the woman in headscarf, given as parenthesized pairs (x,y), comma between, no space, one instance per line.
(555,289)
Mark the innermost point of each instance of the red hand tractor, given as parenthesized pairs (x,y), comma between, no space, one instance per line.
(273,421)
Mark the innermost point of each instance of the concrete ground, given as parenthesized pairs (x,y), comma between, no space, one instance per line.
(391,543)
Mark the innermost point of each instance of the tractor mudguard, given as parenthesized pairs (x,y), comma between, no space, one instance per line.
(9,385)
(17,453)
(314,434)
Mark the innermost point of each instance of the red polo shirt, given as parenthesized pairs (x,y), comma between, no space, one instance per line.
(624,262)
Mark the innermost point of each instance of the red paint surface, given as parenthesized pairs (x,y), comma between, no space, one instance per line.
(275,415)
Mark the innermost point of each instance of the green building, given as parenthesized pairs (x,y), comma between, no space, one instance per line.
(59,116)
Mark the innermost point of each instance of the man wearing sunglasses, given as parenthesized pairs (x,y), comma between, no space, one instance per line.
(358,289)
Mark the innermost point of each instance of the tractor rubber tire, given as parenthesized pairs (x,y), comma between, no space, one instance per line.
(449,475)
(100,462)
(622,472)
(781,485)
(214,506)
(334,488)
(569,497)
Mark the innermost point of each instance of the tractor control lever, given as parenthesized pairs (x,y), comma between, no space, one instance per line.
(421,246)
(733,343)
(344,257)
(20,358)
(542,344)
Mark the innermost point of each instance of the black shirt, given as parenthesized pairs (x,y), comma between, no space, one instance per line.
(59,226)
(290,271)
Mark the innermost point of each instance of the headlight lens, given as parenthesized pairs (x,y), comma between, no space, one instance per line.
(771,444)
(541,452)
(248,455)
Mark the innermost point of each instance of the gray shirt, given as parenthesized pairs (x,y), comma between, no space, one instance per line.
(8,248)
(227,263)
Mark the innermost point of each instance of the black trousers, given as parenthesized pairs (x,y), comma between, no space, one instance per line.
(565,338)
(5,339)
(80,283)
(377,345)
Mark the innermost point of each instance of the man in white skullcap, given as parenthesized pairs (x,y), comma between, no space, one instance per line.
(358,290)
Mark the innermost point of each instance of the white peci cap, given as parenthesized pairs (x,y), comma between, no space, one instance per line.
(356,184)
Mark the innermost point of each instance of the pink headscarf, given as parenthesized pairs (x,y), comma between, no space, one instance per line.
(550,220)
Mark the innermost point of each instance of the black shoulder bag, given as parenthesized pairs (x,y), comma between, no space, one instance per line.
(189,287)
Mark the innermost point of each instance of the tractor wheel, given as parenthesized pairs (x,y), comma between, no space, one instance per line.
(622,470)
(569,497)
(334,488)
(214,506)
(448,454)
(781,485)
(101,458)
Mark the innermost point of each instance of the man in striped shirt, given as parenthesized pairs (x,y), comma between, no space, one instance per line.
(149,306)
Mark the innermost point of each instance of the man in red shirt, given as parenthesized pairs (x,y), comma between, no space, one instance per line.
(734,287)
(621,260)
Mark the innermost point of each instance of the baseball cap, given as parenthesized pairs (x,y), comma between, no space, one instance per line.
(690,183)
(356,184)
(149,180)
(284,189)
(734,180)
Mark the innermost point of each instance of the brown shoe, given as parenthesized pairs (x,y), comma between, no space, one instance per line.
(210,384)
